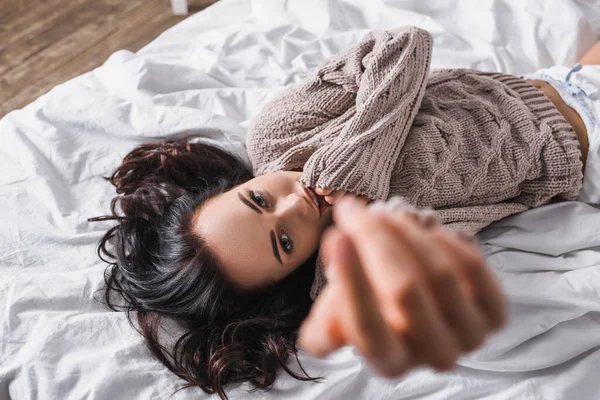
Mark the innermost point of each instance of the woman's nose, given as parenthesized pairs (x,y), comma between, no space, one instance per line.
(291,206)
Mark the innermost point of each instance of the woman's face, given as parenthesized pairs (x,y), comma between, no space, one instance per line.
(263,229)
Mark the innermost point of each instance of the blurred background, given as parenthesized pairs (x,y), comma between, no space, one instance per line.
(47,42)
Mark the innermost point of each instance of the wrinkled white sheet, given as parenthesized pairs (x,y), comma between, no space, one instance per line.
(209,75)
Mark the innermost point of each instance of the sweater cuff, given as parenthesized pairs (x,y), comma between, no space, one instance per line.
(351,171)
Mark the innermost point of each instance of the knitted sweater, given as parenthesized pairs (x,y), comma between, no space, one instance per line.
(474,146)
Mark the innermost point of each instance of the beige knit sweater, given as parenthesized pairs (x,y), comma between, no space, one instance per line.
(474,146)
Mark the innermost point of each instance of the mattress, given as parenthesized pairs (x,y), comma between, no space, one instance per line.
(208,76)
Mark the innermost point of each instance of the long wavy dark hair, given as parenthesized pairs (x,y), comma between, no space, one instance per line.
(160,269)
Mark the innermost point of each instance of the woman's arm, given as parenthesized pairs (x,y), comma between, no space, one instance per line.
(350,118)
(361,157)
(293,124)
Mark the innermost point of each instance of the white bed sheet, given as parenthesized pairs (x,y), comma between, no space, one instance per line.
(209,75)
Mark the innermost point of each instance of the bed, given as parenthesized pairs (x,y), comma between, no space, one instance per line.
(208,76)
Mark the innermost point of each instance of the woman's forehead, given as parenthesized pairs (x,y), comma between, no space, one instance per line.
(224,218)
(237,235)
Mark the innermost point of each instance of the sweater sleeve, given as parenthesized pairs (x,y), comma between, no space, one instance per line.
(350,118)
(362,155)
(298,121)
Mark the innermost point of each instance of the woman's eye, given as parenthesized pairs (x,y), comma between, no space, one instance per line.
(258,199)
(286,243)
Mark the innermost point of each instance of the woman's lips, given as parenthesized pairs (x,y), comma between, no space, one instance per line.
(317,201)
(312,198)
(323,204)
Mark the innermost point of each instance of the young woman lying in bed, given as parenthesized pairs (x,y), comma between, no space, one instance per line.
(230,253)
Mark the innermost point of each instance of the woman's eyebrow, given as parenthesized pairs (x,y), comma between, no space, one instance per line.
(249,204)
(273,239)
(275,248)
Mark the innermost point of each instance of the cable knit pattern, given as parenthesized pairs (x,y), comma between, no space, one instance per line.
(474,146)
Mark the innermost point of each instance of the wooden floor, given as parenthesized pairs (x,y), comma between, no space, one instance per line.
(46,42)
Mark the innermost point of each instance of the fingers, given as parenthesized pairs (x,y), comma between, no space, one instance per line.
(320,333)
(323,191)
(334,197)
(350,313)
(330,196)
(485,288)
(402,291)
(407,302)
(443,269)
